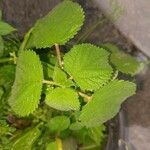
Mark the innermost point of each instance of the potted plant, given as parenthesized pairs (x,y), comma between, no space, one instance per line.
(56,100)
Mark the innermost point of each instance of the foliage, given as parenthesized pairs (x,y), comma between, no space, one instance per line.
(60,25)
(26,140)
(63,99)
(123,62)
(91,71)
(60,77)
(58,124)
(25,94)
(5,29)
(7,75)
(104,106)
(67,104)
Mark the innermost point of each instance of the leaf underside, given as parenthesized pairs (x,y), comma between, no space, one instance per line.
(106,102)
(63,99)
(88,66)
(27,87)
(122,61)
(60,25)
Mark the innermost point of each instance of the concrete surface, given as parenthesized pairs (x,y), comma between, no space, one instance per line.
(134,22)
(137,109)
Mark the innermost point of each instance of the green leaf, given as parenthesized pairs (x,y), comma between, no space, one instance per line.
(91,138)
(60,77)
(60,25)
(27,87)
(88,66)
(97,134)
(63,99)
(52,146)
(106,102)
(58,124)
(76,126)
(1,93)
(123,62)
(48,70)
(1,46)
(5,28)
(7,75)
(26,141)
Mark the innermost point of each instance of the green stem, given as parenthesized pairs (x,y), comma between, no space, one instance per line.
(59,144)
(51,83)
(26,38)
(58,55)
(4,60)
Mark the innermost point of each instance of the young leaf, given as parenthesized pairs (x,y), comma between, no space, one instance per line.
(88,66)
(5,28)
(60,77)
(27,87)
(51,146)
(58,124)
(63,99)
(123,62)
(60,25)
(26,141)
(106,102)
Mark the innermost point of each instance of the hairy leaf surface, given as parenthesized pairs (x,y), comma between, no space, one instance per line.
(60,25)
(88,66)
(106,102)
(27,87)
(63,99)
(5,28)
(123,62)
(60,77)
